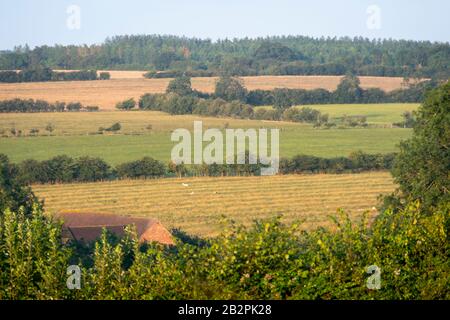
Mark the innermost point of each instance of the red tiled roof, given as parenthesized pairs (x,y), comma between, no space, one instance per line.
(89,226)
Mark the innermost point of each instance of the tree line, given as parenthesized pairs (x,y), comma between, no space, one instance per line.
(167,56)
(232,99)
(65,169)
(40,74)
(30,105)
(348,91)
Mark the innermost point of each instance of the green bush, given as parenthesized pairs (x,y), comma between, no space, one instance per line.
(126,105)
(268,260)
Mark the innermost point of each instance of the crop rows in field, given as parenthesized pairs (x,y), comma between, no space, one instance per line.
(199,207)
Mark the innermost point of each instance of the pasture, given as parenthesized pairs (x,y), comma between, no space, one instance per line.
(147,133)
(383,114)
(199,205)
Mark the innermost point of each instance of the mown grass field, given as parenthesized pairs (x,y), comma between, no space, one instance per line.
(131,84)
(199,208)
(74,135)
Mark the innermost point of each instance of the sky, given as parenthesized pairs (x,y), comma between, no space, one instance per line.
(50,22)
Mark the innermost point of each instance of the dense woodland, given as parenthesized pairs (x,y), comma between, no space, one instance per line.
(287,55)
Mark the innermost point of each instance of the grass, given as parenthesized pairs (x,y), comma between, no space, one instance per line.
(379,114)
(127,84)
(71,136)
(198,208)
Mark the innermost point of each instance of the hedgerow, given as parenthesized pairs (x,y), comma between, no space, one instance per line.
(269,260)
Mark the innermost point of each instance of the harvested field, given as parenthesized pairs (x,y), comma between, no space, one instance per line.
(198,208)
(127,84)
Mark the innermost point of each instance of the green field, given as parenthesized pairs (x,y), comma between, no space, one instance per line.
(382,115)
(379,114)
(73,136)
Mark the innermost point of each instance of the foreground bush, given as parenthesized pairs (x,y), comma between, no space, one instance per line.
(266,261)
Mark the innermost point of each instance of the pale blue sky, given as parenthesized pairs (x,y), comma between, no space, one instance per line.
(38,22)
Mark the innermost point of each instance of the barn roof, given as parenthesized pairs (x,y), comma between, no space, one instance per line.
(88,227)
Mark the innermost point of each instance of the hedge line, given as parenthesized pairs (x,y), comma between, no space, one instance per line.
(64,169)
(30,105)
(47,74)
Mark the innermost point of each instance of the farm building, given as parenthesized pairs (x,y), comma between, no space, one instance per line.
(88,227)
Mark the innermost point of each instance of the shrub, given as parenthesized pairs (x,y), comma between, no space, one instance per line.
(50,127)
(92,108)
(104,76)
(34,131)
(114,128)
(181,86)
(145,168)
(126,105)
(14,192)
(304,115)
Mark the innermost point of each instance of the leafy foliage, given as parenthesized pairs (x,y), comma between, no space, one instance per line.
(267,261)
(64,169)
(40,74)
(422,168)
(229,89)
(126,105)
(30,105)
(13,193)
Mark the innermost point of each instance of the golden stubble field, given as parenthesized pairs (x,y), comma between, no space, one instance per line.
(198,207)
(130,84)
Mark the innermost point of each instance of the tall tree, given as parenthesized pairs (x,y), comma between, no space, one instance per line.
(181,86)
(230,88)
(422,168)
(13,193)
(348,90)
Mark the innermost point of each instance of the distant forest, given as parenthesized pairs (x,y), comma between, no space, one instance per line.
(288,55)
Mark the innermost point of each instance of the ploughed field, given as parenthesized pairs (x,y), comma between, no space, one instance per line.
(198,205)
(131,84)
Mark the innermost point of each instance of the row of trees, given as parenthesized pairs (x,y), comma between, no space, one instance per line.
(64,169)
(30,105)
(348,91)
(180,98)
(40,74)
(231,99)
(290,55)
(216,107)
